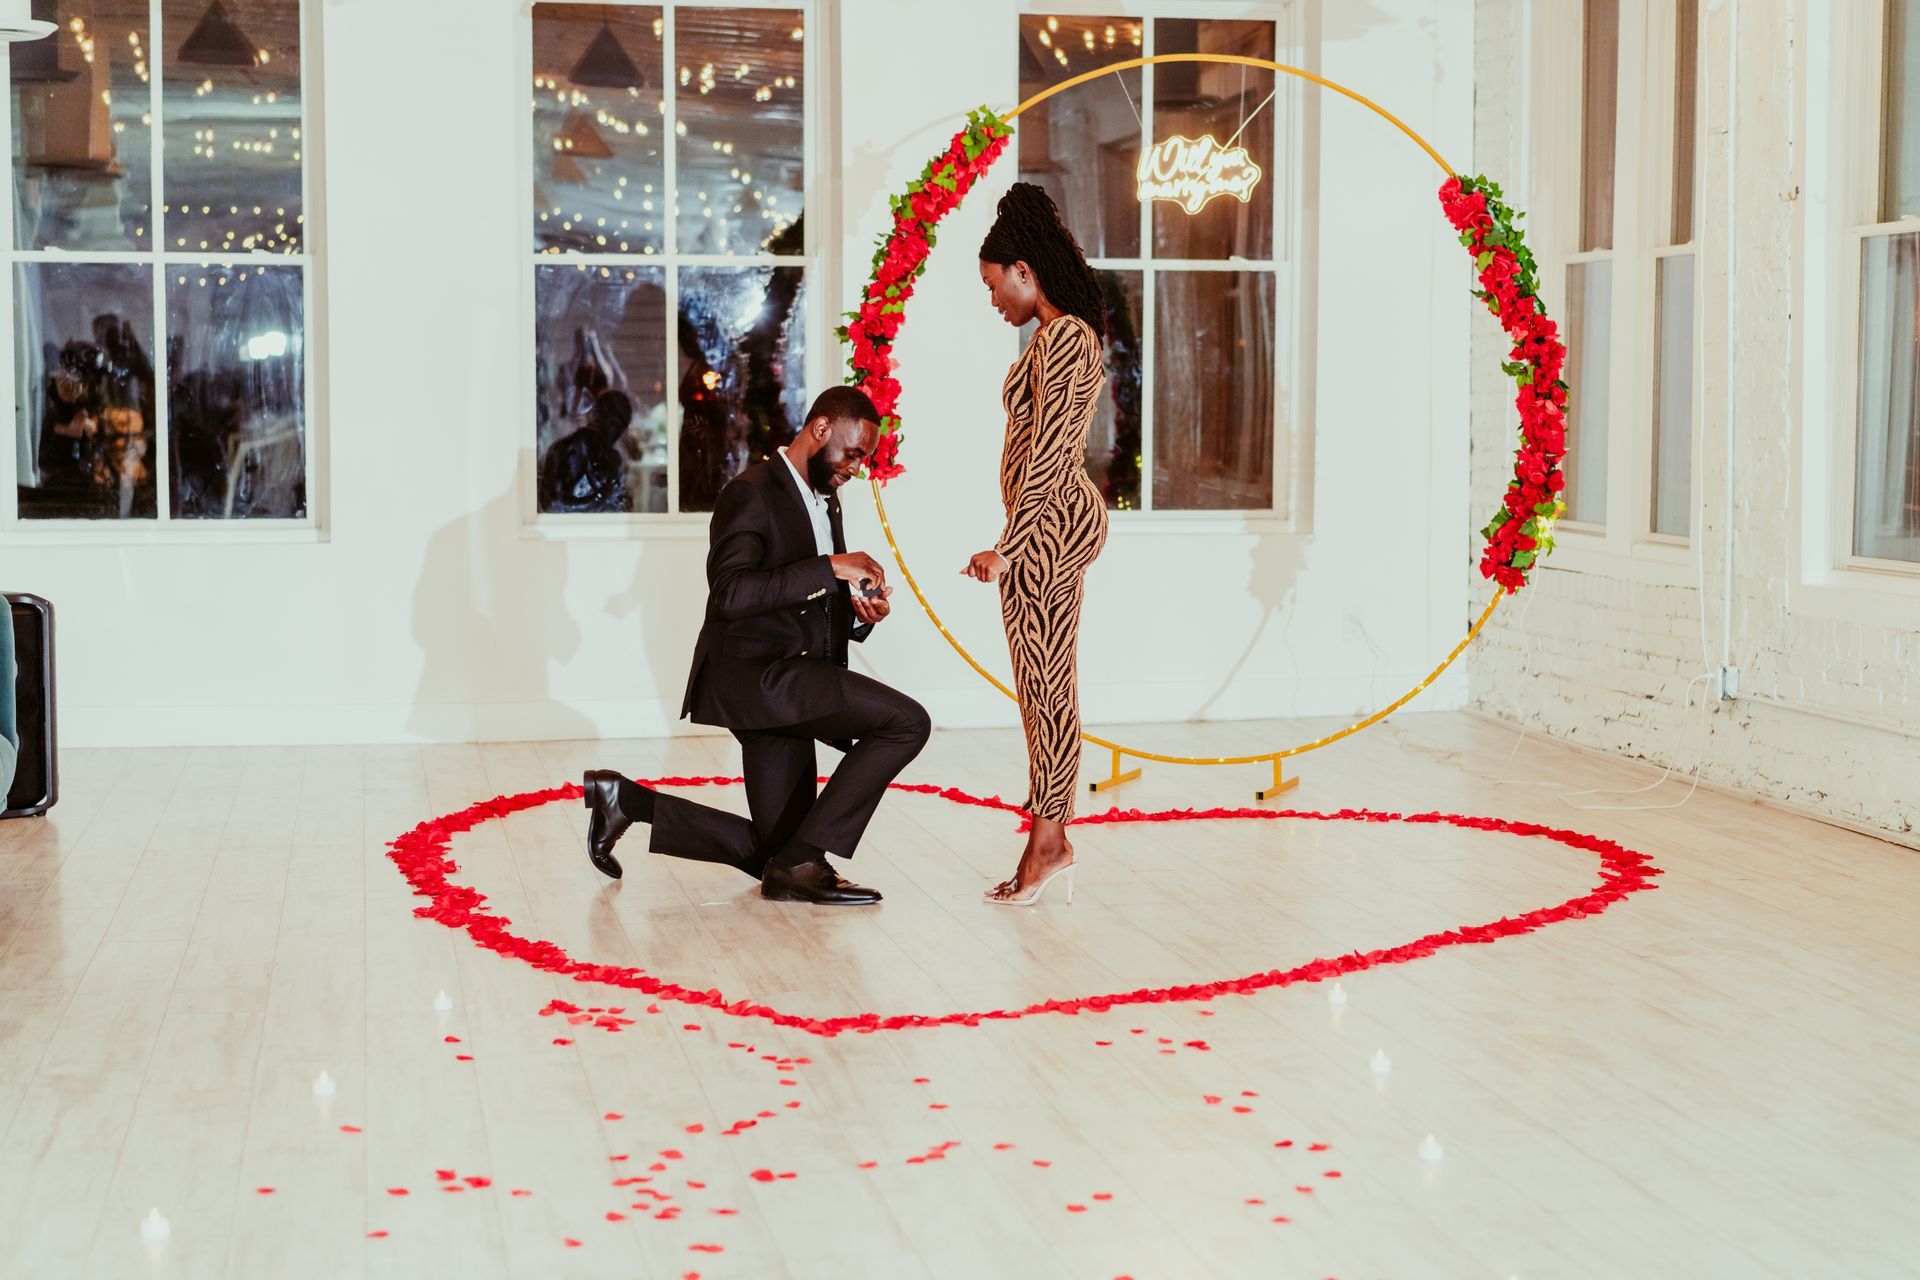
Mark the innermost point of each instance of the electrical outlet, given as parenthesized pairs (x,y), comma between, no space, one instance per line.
(1729,683)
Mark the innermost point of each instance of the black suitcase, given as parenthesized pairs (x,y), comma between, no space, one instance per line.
(36,778)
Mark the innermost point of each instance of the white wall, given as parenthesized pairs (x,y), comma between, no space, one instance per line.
(1828,712)
(427,613)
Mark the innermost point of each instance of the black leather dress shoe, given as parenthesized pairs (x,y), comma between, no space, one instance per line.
(814,881)
(607,824)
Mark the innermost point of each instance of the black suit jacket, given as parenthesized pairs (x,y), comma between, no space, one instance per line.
(775,638)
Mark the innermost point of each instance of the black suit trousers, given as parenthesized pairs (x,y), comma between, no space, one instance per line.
(887,729)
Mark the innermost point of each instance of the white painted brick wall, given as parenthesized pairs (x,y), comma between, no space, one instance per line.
(1829,717)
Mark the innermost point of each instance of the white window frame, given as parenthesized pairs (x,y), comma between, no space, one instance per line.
(1292,355)
(1842,108)
(164,528)
(1625,544)
(821,261)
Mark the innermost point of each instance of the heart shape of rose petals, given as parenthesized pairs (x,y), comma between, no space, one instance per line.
(424,857)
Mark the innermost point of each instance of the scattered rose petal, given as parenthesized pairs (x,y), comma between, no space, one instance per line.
(561,1040)
(445,1175)
(475,1180)
(1076,1208)
(351,1128)
(452,1039)
(696,1128)
(1103,1195)
(613,1115)
(1210,1099)
(376,1235)
(1331,1173)
(572,1243)
(614,1216)
(1284,1143)
(265,1191)
(1103,1043)
(398,1191)
(707,1248)
(1320,1146)
(1243,1110)
(523,1193)
(691,1026)
(1043,1164)
(463,1057)
(1003,1146)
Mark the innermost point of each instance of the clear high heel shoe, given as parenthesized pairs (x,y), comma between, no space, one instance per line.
(1004,894)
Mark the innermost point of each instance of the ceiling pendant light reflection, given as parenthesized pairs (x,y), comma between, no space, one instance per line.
(605,64)
(217,42)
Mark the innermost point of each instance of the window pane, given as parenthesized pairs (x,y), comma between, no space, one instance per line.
(1686,67)
(1083,145)
(1900,114)
(1673,395)
(1886,503)
(599,172)
(600,375)
(743,372)
(236,392)
(741,91)
(1113,441)
(231,93)
(83,338)
(1589,307)
(1599,100)
(82,141)
(1197,100)
(1213,391)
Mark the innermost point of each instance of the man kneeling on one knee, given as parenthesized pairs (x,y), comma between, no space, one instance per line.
(784,596)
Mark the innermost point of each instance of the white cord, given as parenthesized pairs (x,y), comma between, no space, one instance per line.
(1686,702)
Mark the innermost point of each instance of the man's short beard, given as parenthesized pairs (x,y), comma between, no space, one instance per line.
(820,472)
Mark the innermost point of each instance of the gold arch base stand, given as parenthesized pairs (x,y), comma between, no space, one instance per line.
(1121,753)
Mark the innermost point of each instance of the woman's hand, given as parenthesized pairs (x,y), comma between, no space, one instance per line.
(986,566)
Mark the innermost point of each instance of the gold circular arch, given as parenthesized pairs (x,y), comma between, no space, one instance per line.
(1121,751)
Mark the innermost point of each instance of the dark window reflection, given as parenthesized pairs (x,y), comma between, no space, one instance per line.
(1213,405)
(83,339)
(740,93)
(236,394)
(231,93)
(600,370)
(1113,441)
(82,171)
(599,179)
(743,371)
(1194,100)
(1083,145)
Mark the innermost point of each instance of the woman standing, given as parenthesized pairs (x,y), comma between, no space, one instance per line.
(1056,519)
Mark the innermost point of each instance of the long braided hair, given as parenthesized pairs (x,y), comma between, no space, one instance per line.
(1028,229)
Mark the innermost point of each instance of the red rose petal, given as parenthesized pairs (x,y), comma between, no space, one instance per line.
(762,1175)
(1242,1111)
(707,1248)
(265,1191)
(376,1235)
(452,1040)
(476,1180)
(572,1243)
(1286,1143)
(613,1115)
(351,1128)
(523,1193)
(696,1128)
(445,1175)
(869,1164)
(1076,1208)
(1321,1146)
(1043,1164)
(691,1026)
(561,1040)
(1103,1195)
(1331,1173)
(463,1057)
(1003,1146)
(1210,1099)
(612,1216)
(1103,1043)
(398,1191)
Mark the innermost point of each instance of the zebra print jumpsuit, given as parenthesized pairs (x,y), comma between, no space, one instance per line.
(1056,525)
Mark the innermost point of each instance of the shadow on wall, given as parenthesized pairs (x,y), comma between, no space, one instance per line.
(1273,571)
(490,617)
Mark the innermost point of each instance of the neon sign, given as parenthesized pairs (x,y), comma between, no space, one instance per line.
(1192,172)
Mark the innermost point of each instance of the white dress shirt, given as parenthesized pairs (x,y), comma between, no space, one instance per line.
(816,507)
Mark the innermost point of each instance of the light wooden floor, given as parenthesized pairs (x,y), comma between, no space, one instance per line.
(1716,1078)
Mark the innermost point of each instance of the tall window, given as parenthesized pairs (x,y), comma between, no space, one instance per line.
(1590,271)
(1671,507)
(670,146)
(160,293)
(1189,419)
(1627,253)
(1886,479)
